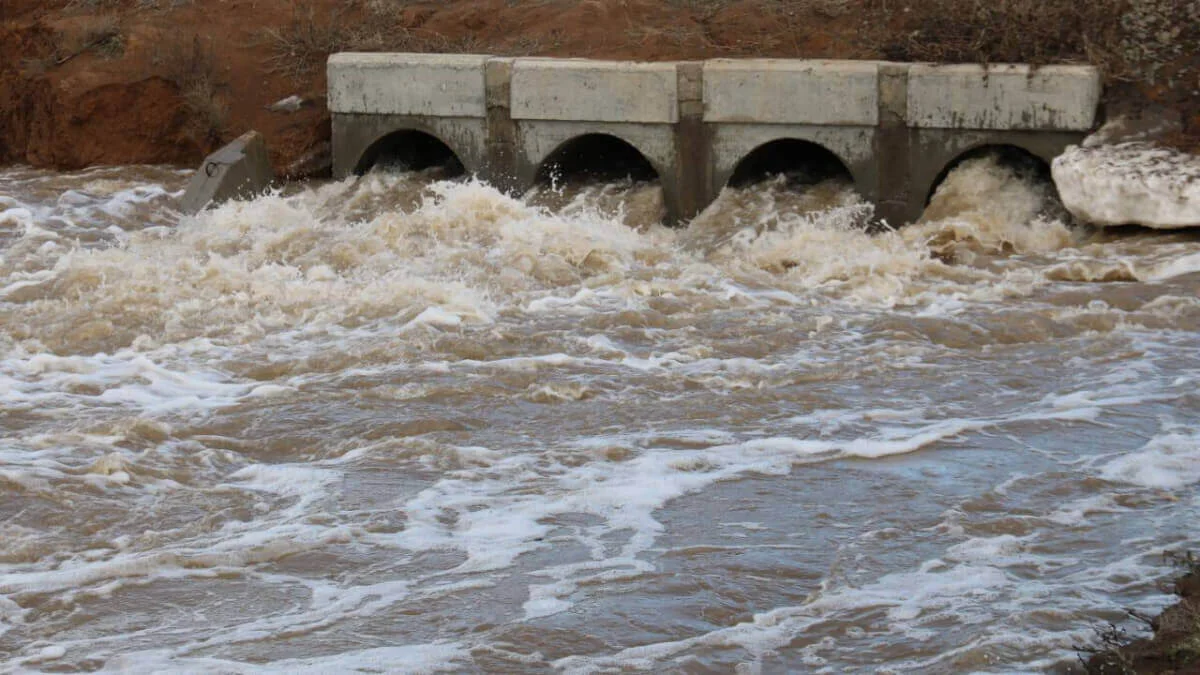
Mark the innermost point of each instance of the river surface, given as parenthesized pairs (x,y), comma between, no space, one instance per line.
(401,424)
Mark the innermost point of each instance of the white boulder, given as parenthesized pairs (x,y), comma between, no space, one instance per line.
(1129,183)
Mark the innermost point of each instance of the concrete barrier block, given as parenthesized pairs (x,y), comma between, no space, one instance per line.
(1003,97)
(441,85)
(769,91)
(594,91)
(239,170)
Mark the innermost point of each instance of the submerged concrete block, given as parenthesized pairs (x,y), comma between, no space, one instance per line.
(594,91)
(442,85)
(769,91)
(1003,97)
(239,170)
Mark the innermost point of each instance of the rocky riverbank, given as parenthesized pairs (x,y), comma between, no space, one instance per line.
(86,82)
(1173,649)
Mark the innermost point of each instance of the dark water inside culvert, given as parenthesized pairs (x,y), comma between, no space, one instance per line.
(402,424)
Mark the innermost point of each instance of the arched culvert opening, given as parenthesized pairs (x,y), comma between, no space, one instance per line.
(801,162)
(1003,184)
(1019,161)
(410,150)
(595,158)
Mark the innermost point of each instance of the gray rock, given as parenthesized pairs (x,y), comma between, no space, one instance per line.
(290,104)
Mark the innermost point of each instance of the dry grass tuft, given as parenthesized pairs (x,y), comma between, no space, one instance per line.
(304,42)
(192,67)
(100,34)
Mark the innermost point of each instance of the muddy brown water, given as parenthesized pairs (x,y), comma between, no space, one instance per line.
(408,425)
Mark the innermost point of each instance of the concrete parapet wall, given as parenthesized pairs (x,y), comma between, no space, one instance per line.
(1003,97)
(596,91)
(769,91)
(440,85)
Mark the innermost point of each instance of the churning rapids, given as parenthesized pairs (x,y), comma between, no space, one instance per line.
(405,424)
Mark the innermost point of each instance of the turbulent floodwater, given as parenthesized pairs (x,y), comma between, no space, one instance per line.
(402,424)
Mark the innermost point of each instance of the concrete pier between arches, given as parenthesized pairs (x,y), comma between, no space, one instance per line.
(894,127)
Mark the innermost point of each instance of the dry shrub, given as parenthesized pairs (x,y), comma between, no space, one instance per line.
(305,41)
(93,4)
(192,68)
(162,4)
(1144,41)
(1146,49)
(1158,43)
(101,34)
(822,8)
(989,31)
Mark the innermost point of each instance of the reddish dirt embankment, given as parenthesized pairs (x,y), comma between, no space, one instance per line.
(164,81)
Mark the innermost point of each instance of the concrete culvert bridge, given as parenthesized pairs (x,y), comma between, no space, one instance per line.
(894,126)
(802,162)
(595,158)
(410,150)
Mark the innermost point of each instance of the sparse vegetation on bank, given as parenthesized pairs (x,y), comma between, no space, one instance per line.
(1172,649)
(61,58)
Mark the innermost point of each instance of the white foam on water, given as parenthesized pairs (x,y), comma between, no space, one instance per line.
(496,513)
(1187,264)
(410,659)
(138,364)
(1168,461)
(127,378)
(969,586)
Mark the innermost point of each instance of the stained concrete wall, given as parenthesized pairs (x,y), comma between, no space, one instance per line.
(354,135)
(1004,97)
(773,91)
(853,145)
(894,126)
(556,101)
(833,104)
(594,91)
(435,85)
(374,95)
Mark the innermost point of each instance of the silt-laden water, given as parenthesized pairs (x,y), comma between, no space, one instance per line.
(403,424)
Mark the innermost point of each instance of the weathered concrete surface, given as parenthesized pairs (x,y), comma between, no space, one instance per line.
(356,135)
(933,152)
(1004,96)
(556,101)
(693,170)
(596,91)
(440,85)
(501,166)
(239,170)
(538,140)
(853,145)
(769,91)
(895,127)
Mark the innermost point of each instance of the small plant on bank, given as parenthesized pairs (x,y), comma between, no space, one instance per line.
(101,34)
(192,68)
(1175,644)
(303,43)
